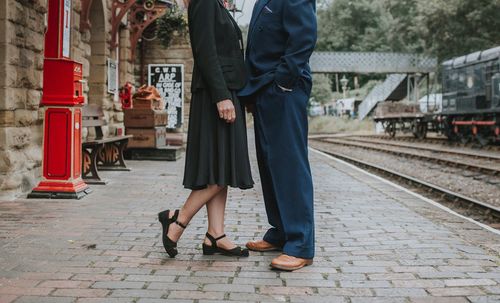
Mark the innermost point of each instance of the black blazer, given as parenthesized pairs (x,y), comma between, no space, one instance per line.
(217,45)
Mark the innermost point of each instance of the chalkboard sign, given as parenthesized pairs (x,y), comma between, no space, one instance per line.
(169,80)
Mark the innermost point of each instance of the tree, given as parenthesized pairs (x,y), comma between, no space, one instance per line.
(451,28)
(344,23)
(322,89)
(442,28)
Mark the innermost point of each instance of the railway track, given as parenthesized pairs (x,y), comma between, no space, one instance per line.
(486,164)
(478,210)
(488,156)
(435,140)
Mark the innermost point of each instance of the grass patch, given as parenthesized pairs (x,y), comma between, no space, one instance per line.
(329,124)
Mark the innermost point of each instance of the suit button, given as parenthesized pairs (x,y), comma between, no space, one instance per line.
(261,28)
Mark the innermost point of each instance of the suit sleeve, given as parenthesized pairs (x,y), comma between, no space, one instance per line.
(300,23)
(203,14)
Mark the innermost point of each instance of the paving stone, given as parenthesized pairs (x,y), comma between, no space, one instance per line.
(455,291)
(484,299)
(7,298)
(164,301)
(400,292)
(38,299)
(173,286)
(138,293)
(64,284)
(365,284)
(118,285)
(105,300)
(469,282)
(317,299)
(107,247)
(379,300)
(10,290)
(426,283)
(75,292)
(439,300)
(182,294)
(392,276)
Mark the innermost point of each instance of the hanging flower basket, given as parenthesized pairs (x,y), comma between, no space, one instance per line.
(173,24)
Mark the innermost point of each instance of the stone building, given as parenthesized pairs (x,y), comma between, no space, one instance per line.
(22,29)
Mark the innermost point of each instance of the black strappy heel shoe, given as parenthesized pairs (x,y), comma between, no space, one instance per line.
(165,220)
(212,249)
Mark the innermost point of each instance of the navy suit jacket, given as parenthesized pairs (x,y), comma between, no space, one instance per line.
(281,38)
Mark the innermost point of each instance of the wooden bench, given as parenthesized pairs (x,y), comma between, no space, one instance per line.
(100,152)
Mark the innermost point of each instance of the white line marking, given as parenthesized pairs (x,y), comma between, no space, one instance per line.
(432,202)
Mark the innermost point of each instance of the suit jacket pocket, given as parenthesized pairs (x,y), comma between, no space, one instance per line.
(233,69)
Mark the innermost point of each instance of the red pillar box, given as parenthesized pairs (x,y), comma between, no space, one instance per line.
(63,98)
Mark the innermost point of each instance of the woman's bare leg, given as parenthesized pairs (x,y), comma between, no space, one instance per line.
(216,208)
(193,204)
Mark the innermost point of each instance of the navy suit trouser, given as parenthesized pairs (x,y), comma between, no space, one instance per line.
(281,128)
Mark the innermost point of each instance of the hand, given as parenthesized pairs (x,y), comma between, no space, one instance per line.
(226,110)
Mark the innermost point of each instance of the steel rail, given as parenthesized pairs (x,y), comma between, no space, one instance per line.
(487,209)
(424,148)
(492,170)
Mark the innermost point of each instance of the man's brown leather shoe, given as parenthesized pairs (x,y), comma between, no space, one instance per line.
(289,263)
(262,245)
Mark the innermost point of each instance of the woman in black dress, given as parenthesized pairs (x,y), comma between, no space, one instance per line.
(217,151)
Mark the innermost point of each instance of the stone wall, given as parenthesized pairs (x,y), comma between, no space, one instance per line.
(22,31)
(91,48)
(21,63)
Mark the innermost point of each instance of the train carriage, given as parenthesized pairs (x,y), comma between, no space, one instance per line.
(470,107)
(471,96)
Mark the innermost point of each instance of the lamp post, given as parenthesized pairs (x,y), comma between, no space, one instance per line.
(344,83)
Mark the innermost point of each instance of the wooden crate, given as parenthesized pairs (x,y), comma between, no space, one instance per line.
(147,103)
(145,118)
(175,139)
(147,137)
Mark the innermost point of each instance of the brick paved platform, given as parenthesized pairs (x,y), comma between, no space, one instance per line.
(375,243)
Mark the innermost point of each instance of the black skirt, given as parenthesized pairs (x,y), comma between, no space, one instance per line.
(217,152)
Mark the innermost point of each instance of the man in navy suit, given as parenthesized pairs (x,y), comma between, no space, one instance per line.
(281,38)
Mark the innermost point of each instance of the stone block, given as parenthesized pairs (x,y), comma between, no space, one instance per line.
(117,106)
(34,97)
(77,7)
(112,130)
(26,59)
(11,160)
(25,117)
(33,157)
(3,11)
(6,118)
(3,57)
(12,98)
(10,181)
(107,105)
(39,61)
(11,76)
(14,137)
(119,117)
(17,13)
(35,40)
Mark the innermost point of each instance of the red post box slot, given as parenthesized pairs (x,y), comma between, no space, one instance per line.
(62,84)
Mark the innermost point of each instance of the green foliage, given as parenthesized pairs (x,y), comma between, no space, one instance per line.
(456,27)
(444,28)
(322,89)
(172,23)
